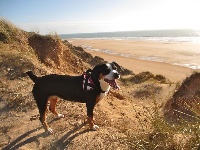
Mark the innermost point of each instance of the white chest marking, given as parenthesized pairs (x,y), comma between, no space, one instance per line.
(104,87)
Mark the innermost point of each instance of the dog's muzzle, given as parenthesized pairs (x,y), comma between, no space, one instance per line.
(112,83)
(116,75)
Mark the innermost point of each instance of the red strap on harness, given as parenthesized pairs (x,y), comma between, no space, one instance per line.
(87,82)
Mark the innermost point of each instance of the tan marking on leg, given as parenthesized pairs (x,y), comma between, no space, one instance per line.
(91,124)
(44,123)
(90,121)
(52,107)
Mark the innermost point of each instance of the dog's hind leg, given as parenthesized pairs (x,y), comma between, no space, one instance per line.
(42,111)
(52,107)
(44,123)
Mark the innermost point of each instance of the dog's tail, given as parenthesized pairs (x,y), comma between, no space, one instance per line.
(32,76)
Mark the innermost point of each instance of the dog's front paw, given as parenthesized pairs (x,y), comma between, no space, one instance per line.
(61,116)
(95,127)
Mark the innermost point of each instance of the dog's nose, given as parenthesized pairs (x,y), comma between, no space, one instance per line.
(116,75)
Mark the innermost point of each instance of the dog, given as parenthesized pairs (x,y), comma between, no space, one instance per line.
(88,88)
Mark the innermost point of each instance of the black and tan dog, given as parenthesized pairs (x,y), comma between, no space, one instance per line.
(88,88)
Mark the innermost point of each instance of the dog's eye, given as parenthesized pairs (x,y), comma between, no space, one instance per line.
(114,68)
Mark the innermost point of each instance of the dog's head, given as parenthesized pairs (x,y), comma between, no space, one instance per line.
(106,74)
(111,77)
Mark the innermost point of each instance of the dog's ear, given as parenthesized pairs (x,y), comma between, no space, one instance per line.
(116,65)
(100,69)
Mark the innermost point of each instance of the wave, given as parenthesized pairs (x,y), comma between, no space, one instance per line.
(152,35)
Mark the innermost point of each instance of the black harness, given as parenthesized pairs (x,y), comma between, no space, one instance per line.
(87,81)
(88,84)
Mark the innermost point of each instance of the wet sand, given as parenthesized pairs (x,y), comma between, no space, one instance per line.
(171,59)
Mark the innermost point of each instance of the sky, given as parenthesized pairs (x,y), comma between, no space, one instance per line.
(88,16)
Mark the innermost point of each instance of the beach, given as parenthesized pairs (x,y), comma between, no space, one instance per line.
(174,60)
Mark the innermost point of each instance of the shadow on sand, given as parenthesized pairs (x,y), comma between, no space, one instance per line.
(59,144)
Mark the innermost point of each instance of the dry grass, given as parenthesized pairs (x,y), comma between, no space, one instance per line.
(147,90)
(11,34)
(155,130)
(144,76)
(163,134)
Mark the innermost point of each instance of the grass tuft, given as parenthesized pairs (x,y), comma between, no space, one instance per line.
(143,77)
(11,34)
(164,135)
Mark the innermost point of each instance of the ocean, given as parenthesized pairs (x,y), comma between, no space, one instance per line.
(187,57)
(181,35)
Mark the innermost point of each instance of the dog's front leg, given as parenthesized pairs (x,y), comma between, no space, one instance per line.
(91,123)
(97,99)
(90,119)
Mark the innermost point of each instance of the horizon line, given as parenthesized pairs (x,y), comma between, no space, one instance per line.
(128,31)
